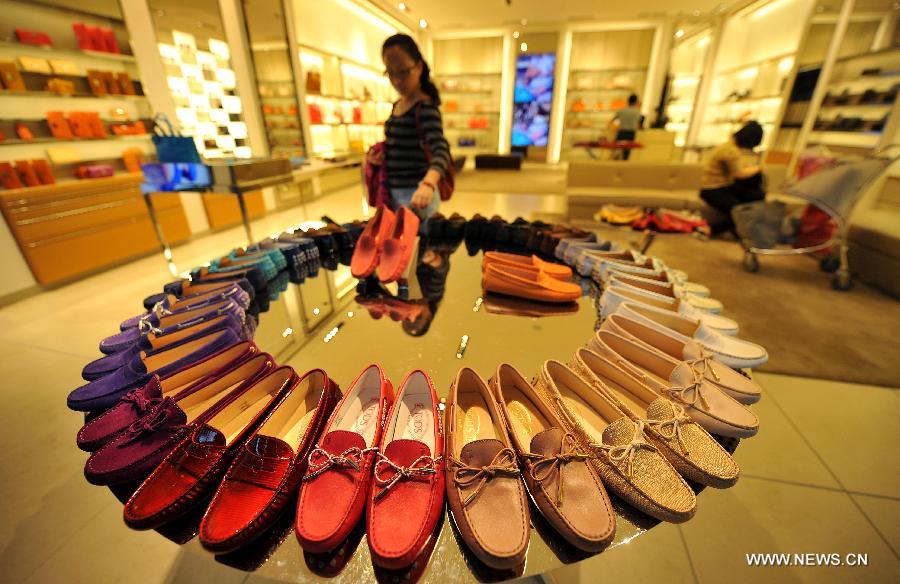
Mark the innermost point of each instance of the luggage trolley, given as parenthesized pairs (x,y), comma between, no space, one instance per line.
(836,191)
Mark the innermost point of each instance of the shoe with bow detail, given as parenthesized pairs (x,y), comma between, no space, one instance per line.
(189,474)
(483,479)
(138,402)
(138,449)
(266,474)
(407,494)
(555,465)
(339,471)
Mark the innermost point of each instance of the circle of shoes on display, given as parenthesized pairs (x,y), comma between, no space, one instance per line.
(189,422)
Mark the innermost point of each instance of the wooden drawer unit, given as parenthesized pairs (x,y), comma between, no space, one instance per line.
(171,216)
(72,228)
(223,210)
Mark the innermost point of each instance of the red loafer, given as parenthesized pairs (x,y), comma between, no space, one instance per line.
(195,467)
(398,248)
(370,243)
(336,484)
(407,495)
(266,473)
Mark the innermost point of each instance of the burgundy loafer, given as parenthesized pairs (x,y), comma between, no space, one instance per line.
(136,451)
(196,466)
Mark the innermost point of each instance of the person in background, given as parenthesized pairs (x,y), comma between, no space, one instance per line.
(626,122)
(727,182)
(412,178)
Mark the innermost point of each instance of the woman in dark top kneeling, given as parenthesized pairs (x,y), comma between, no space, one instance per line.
(415,123)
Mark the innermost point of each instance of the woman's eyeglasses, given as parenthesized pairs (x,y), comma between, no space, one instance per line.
(399,74)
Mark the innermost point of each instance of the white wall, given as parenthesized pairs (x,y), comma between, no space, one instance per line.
(774,29)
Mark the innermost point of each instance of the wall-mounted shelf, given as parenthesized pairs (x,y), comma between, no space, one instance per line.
(52,52)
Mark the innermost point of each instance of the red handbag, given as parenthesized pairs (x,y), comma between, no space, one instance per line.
(447,182)
(376,177)
(33,37)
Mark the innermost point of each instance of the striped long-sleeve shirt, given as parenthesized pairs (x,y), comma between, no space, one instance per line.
(405,159)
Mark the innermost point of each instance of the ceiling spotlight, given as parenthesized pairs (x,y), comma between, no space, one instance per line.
(523,47)
(516,34)
(679,33)
(695,13)
(423,23)
(524,22)
(402,6)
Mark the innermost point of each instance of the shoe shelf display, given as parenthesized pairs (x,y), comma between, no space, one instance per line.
(221,428)
(606,67)
(862,94)
(685,75)
(468,75)
(71,100)
(346,103)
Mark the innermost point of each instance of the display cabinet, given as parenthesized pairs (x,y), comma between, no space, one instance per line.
(468,73)
(606,68)
(346,102)
(685,73)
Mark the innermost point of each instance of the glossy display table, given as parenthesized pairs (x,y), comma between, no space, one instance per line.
(447,323)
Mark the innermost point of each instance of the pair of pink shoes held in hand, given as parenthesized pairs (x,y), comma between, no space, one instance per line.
(386,243)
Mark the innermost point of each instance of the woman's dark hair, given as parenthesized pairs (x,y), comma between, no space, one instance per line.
(750,136)
(409,46)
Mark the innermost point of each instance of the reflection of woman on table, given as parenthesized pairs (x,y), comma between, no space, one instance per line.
(431,272)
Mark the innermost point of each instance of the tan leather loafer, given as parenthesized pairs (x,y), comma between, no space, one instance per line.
(684,443)
(735,384)
(627,462)
(485,493)
(555,466)
(707,404)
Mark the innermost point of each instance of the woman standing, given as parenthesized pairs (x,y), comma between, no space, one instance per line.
(415,124)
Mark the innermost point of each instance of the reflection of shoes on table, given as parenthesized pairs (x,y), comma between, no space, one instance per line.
(398,248)
(266,473)
(557,468)
(528,282)
(629,465)
(512,306)
(370,243)
(483,476)
(707,404)
(671,343)
(685,444)
(732,351)
(557,271)
(336,485)
(407,496)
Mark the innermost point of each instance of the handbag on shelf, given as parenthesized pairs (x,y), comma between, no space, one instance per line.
(376,177)
(33,37)
(60,86)
(170,145)
(94,171)
(313,81)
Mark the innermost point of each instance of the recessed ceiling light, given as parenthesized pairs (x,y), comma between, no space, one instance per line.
(695,13)
(523,47)
(679,33)
(402,6)
(423,23)
(524,22)
(516,34)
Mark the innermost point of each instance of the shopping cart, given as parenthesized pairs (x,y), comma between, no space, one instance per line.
(836,191)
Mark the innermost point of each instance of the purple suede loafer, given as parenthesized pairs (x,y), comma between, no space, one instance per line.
(103,393)
(165,306)
(138,402)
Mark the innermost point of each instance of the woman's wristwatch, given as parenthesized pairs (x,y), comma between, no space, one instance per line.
(427,183)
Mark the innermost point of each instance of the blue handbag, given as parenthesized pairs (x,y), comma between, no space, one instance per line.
(171,146)
(175,176)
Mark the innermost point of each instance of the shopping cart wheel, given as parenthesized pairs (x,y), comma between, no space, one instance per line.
(750,263)
(842,282)
(830,264)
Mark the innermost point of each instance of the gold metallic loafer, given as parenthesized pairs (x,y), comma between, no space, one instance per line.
(628,464)
(684,443)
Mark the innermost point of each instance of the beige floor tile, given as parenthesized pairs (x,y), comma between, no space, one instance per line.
(194,565)
(853,428)
(655,556)
(778,451)
(759,516)
(107,551)
(885,514)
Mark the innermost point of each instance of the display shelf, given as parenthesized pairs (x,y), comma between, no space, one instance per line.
(18,142)
(750,99)
(751,64)
(469,113)
(867,140)
(50,94)
(54,52)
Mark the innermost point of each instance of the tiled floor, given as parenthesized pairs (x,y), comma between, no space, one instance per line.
(821,477)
